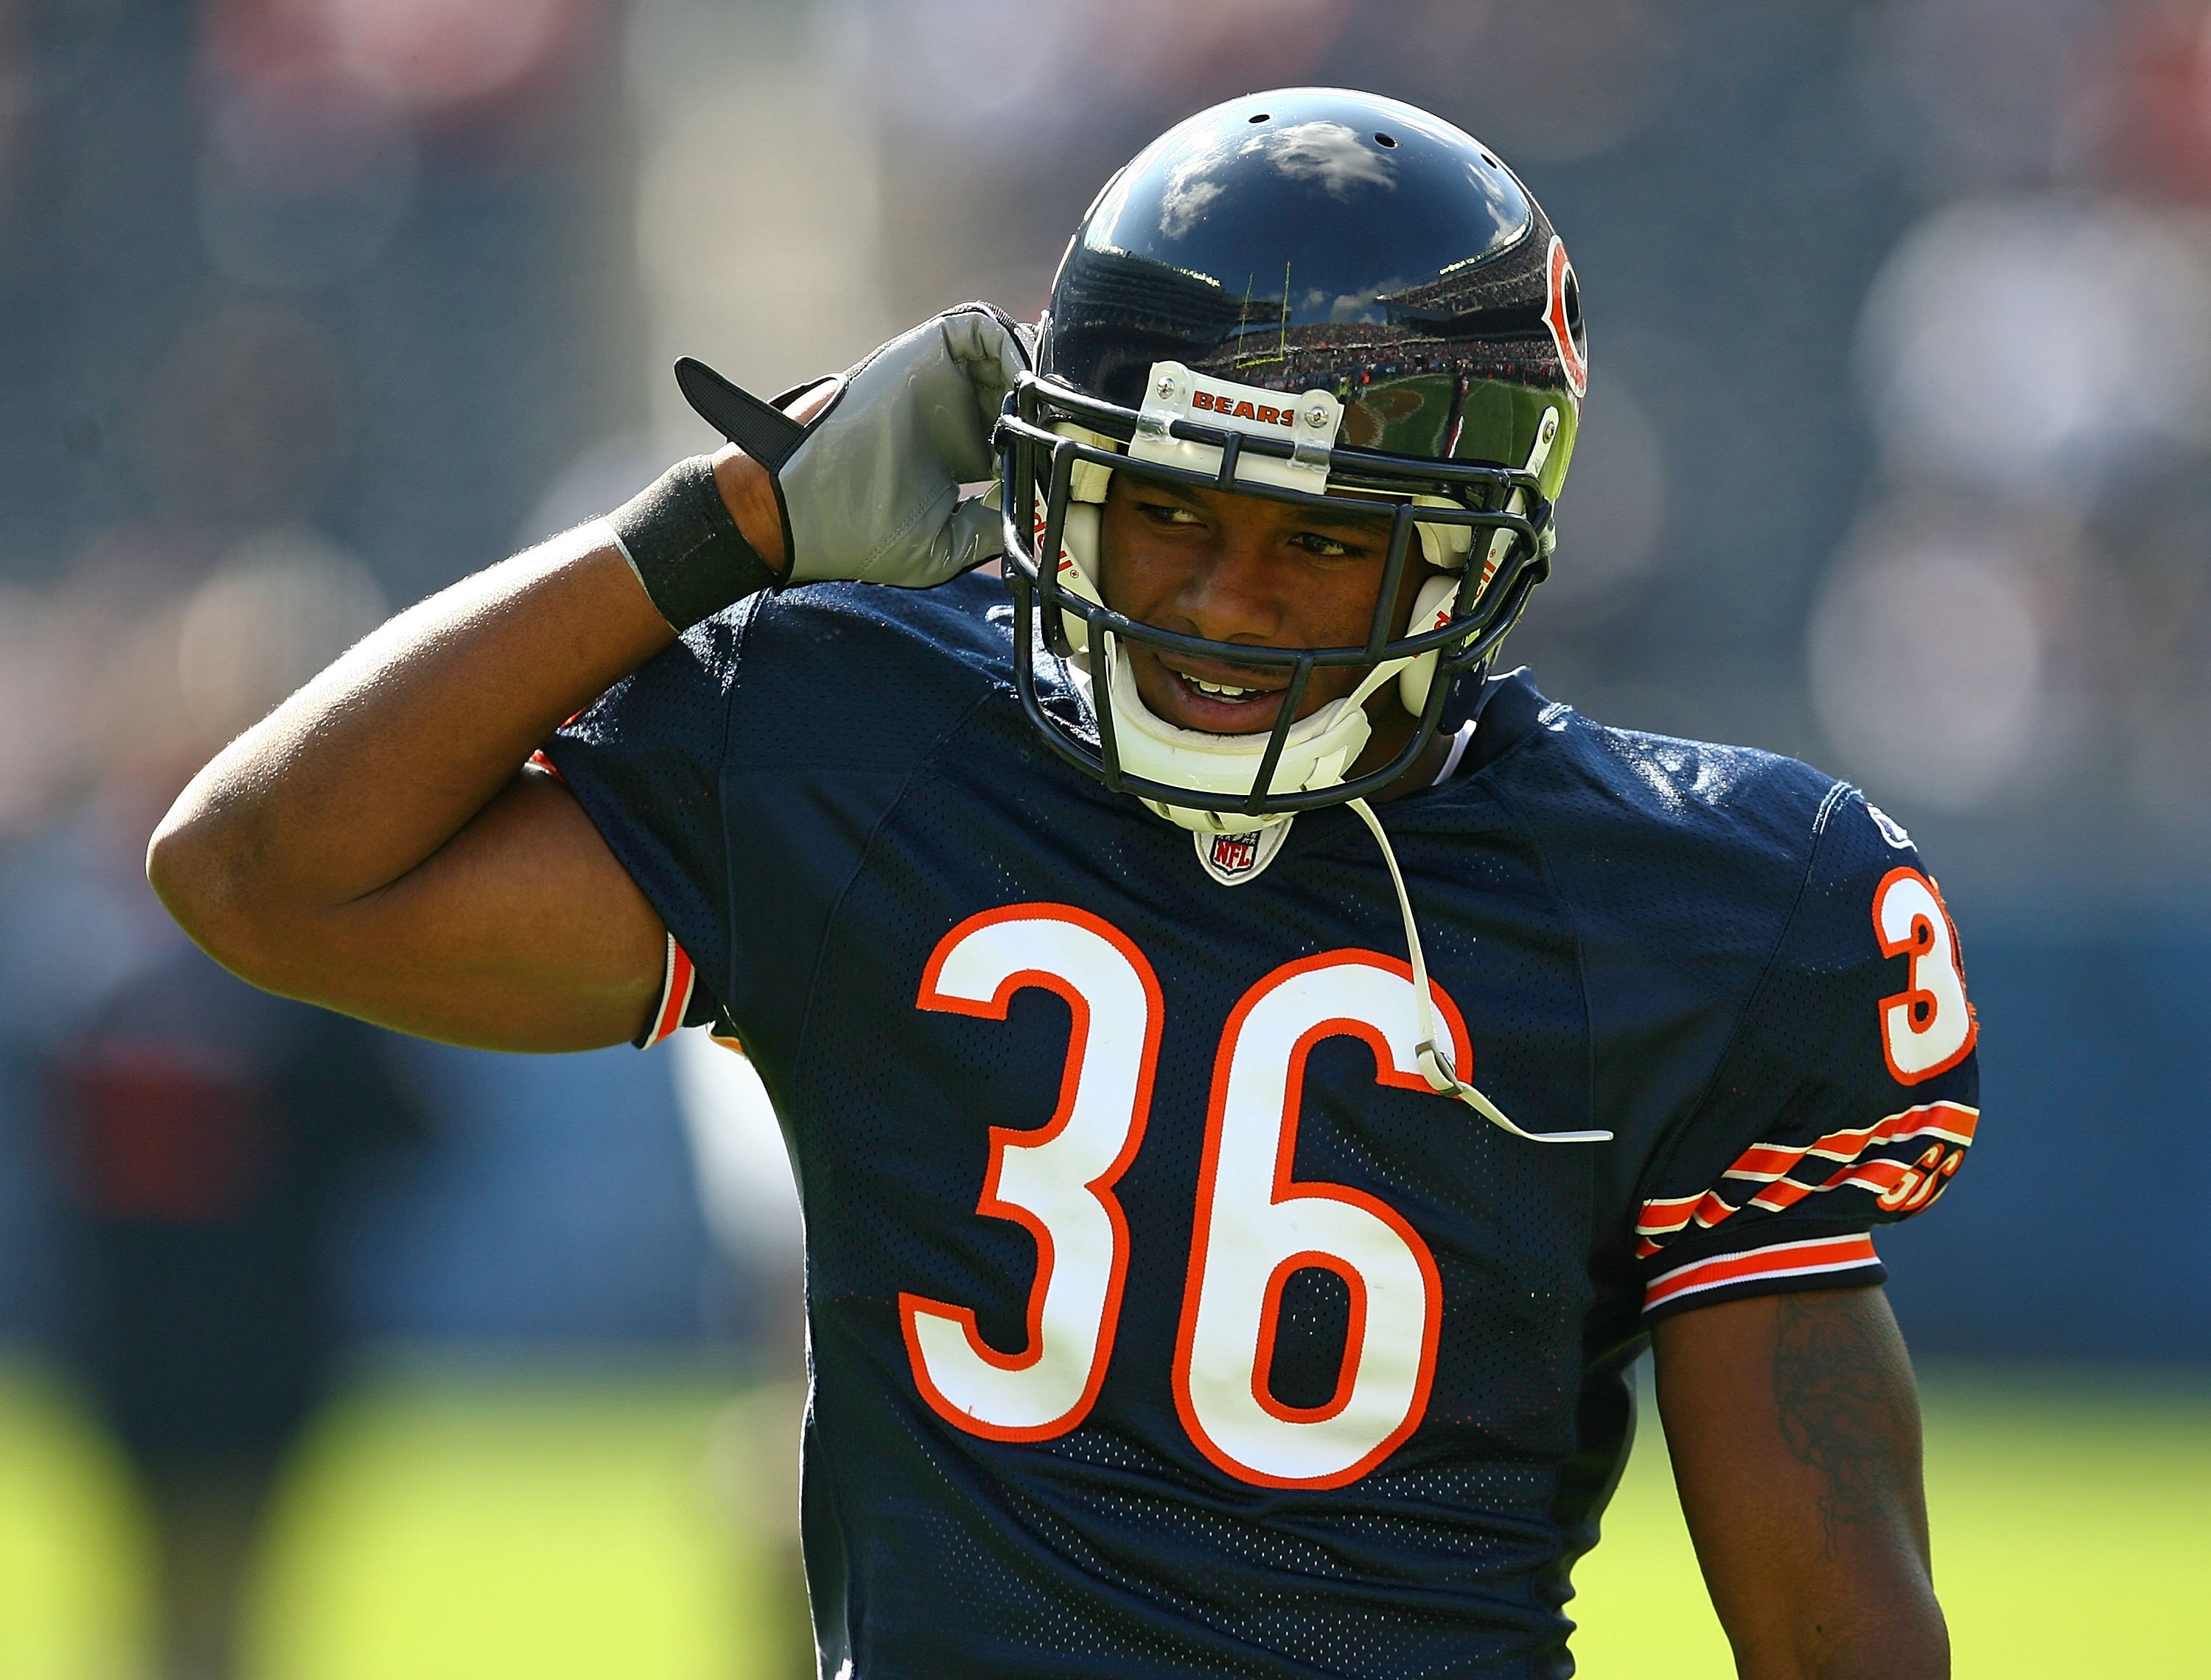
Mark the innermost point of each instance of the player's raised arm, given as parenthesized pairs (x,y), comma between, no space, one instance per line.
(1793,1423)
(376,845)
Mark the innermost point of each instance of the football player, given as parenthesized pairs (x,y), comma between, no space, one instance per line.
(1257,1079)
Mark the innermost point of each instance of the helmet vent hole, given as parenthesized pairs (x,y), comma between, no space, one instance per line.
(1383,140)
(1259,117)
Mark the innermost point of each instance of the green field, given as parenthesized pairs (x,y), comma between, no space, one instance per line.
(544,1526)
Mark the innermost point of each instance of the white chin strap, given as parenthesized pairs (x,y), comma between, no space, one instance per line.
(1434,1054)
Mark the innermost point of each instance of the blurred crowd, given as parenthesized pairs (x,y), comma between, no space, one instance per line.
(1894,458)
(1897,458)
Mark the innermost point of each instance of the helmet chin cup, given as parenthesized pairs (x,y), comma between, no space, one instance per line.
(1317,753)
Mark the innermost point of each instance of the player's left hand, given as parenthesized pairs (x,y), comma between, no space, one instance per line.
(868,487)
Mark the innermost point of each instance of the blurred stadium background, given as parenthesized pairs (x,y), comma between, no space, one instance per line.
(1897,457)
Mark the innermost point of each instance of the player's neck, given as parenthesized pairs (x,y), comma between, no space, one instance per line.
(1386,743)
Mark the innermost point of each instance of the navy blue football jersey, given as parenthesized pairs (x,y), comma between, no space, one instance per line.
(1164,1321)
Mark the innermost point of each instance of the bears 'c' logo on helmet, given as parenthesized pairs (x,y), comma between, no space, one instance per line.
(1562,314)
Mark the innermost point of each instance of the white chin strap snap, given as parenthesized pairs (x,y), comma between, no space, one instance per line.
(1433,1055)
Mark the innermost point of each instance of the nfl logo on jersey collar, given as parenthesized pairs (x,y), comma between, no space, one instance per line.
(1234,859)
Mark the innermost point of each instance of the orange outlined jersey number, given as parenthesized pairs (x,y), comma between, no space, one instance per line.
(1257,1225)
(1929,1027)
(1055,1181)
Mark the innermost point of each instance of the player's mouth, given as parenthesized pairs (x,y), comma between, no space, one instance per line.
(1222,700)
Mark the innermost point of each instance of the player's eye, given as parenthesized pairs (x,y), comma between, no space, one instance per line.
(1328,548)
(1167,513)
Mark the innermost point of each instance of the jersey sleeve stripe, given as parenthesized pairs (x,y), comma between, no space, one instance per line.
(677,979)
(1822,1257)
(1951,1122)
(1770,1165)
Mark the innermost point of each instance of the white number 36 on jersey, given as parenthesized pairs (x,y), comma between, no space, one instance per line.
(1255,1226)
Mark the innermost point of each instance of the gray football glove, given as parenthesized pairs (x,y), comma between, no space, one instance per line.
(870,488)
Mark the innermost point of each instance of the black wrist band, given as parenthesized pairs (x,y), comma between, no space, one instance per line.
(687,551)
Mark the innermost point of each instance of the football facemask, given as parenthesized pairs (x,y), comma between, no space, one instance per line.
(1478,530)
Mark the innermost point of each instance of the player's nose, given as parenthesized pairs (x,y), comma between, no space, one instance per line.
(1234,593)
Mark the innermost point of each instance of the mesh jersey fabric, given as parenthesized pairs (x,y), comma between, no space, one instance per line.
(815,789)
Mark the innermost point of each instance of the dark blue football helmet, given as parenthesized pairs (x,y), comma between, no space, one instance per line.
(1308,295)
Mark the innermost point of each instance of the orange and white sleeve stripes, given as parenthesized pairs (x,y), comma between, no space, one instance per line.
(1830,1260)
(678,980)
(1906,1160)
(1896,1180)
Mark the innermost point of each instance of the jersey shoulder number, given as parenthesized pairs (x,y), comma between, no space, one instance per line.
(1929,1027)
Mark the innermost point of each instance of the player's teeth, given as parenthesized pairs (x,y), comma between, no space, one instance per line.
(1219,689)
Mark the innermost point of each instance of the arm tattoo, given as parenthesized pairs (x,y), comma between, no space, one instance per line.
(1847,1408)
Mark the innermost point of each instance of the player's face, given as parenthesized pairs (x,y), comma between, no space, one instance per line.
(1237,568)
